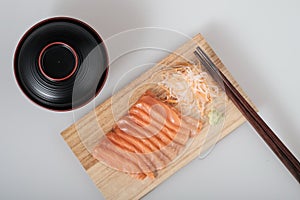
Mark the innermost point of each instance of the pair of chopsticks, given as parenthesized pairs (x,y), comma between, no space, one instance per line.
(282,152)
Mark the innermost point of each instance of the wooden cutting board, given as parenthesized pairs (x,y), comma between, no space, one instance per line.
(117,185)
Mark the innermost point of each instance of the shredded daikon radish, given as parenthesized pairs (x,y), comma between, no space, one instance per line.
(188,87)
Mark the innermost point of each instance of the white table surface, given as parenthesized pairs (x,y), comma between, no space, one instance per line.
(259,43)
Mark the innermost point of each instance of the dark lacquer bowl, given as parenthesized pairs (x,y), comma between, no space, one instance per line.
(61,63)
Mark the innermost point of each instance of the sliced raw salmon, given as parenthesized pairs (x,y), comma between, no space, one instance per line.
(149,138)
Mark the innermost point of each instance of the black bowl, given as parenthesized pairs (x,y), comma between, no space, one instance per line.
(61,63)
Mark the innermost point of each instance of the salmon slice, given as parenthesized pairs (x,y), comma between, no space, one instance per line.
(158,110)
(188,122)
(150,137)
(120,160)
(138,116)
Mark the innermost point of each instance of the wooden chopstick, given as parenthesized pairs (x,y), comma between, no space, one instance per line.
(282,152)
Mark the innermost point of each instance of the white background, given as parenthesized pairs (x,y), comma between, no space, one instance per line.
(259,43)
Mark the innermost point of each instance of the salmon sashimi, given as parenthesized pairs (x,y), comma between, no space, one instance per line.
(147,139)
